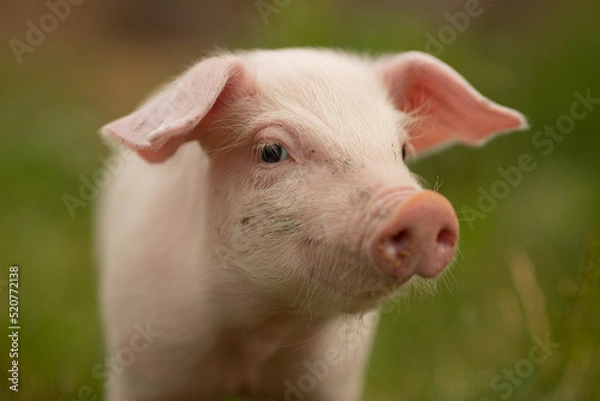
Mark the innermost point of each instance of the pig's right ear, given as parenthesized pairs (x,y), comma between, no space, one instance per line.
(169,118)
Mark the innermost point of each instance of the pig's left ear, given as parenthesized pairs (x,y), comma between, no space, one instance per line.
(169,118)
(446,106)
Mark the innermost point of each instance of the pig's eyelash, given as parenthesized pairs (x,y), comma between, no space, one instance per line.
(272,152)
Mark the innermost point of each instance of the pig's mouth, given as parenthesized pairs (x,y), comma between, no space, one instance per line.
(348,280)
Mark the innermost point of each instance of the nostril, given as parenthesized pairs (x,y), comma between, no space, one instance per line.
(402,239)
(397,245)
(446,238)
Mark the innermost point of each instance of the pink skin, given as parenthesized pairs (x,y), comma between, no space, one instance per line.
(420,80)
(252,272)
(419,238)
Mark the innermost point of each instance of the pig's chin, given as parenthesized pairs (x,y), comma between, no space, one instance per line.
(353,285)
(374,293)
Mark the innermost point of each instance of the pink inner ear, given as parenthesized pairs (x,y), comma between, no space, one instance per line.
(447,107)
(157,128)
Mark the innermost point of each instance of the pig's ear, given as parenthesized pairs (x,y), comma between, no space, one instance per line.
(169,118)
(447,108)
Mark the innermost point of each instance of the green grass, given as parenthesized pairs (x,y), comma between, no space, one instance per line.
(444,347)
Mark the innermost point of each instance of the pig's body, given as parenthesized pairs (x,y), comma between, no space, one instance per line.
(275,214)
(217,336)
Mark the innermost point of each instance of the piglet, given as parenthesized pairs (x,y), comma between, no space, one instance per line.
(265,212)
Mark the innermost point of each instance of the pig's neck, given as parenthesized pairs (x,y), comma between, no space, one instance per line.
(242,305)
(256,328)
(252,355)
(250,319)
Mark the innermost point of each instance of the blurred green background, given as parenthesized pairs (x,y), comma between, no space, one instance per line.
(527,269)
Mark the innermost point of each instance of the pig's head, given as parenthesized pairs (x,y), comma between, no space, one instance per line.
(310,197)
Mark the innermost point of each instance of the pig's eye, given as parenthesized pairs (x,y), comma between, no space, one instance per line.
(272,153)
(403,152)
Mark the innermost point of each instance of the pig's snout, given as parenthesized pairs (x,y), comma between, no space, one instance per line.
(419,238)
